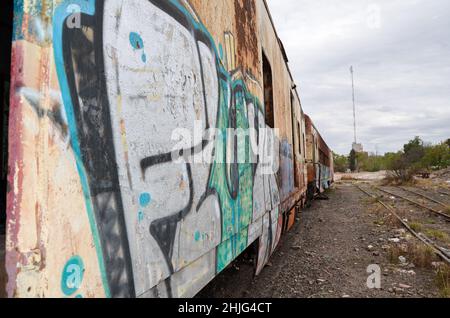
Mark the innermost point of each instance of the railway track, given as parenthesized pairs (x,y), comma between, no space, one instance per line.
(425,197)
(432,210)
(439,251)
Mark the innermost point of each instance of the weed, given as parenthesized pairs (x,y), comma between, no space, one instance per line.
(417,227)
(437,235)
(443,280)
(420,255)
(392,221)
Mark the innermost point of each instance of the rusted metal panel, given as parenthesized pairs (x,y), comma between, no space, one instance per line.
(291,219)
(47,222)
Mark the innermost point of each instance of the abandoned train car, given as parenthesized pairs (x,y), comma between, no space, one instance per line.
(319,161)
(106,197)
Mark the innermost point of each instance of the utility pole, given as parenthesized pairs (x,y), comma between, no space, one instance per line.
(354,105)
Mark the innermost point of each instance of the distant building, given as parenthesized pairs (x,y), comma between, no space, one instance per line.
(357,147)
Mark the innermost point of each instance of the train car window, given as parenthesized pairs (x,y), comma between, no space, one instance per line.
(294,144)
(314,149)
(304,144)
(268,92)
(6,26)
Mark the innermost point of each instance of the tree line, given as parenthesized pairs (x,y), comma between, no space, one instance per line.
(416,156)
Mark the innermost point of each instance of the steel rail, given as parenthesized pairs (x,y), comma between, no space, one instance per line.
(424,239)
(425,196)
(445,216)
(445,193)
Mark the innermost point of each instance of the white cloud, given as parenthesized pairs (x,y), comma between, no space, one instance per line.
(401,53)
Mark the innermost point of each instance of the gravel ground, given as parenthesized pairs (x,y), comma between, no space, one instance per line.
(326,255)
(360,176)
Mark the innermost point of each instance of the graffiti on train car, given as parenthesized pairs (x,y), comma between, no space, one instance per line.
(141,149)
(125,87)
(286,169)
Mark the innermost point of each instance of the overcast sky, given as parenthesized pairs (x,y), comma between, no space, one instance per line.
(400,50)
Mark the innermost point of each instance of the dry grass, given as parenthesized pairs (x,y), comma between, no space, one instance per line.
(443,280)
(417,227)
(447,210)
(392,180)
(437,235)
(378,209)
(395,252)
(419,254)
(432,184)
(384,217)
(423,256)
(392,221)
(347,177)
(374,202)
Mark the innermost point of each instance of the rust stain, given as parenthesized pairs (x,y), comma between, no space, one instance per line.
(246,35)
(15,170)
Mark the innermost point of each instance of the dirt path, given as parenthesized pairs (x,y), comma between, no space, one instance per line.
(327,255)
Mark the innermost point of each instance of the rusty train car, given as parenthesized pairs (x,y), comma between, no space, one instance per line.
(319,161)
(124,177)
